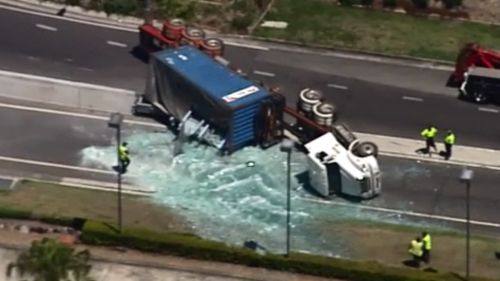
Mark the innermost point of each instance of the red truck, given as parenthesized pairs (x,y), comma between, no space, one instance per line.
(477,74)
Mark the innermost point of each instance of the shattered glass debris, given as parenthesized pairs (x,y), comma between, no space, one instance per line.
(230,200)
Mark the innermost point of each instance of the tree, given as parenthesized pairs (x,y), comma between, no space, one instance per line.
(48,260)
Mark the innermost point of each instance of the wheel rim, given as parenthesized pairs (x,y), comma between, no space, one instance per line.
(479,97)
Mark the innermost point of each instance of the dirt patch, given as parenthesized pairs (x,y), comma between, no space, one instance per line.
(483,10)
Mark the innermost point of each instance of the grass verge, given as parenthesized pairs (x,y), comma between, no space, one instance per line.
(319,22)
(382,243)
(50,200)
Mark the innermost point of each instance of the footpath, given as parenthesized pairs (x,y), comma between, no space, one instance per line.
(117,265)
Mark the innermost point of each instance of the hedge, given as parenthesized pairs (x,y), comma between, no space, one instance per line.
(21,214)
(192,246)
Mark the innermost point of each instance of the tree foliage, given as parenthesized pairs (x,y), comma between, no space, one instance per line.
(48,260)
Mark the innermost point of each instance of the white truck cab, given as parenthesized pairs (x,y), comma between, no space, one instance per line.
(335,169)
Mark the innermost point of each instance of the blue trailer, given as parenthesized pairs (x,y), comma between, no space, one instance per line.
(207,98)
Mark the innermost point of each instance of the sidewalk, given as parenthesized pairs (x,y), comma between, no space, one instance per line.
(462,155)
(114,265)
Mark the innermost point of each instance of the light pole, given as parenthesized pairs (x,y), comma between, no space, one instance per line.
(147,12)
(287,146)
(115,122)
(466,176)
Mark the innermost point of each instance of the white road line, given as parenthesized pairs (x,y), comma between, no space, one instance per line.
(234,44)
(46,27)
(74,114)
(406,213)
(336,86)
(413,99)
(116,27)
(54,165)
(490,110)
(42,14)
(263,73)
(117,44)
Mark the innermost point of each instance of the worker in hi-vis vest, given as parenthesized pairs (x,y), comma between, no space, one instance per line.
(429,134)
(449,141)
(416,250)
(427,241)
(124,156)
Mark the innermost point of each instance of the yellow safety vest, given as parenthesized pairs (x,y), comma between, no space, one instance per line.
(416,248)
(450,139)
(123,151)
(427,242)
(429,133)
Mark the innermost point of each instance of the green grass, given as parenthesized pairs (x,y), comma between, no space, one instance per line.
(51,200)
(388,244)
(319,22)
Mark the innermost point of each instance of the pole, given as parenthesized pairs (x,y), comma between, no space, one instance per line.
(120,169)
(467,250)
(289,153)
(147,12)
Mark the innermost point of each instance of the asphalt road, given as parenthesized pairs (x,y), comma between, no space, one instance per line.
(372,97)
(408,185)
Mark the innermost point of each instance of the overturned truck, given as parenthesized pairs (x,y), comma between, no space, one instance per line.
(203,99)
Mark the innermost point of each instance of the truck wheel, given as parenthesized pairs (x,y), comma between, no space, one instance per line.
(367,148)
(479,97)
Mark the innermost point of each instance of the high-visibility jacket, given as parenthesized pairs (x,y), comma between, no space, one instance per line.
(123,152)
(450,138)
(429,133)
(416,248)
(427,242)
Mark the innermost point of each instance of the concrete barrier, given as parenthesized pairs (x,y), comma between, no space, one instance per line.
(66,93)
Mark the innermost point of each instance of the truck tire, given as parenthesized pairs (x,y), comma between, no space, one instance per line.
(479,97)
(367,148)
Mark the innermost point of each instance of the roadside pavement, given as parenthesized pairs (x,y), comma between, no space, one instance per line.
(114,265)
(461,155)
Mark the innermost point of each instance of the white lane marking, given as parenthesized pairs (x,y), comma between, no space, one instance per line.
(86,69)
(264,73)
(336,86)
(413,99)
(68,19)
(33,58)
(235,44)
(110,26)
(54,165)
(74,114)
(407,213)
(117,44)
(490,110)
(64,82)
(46,27)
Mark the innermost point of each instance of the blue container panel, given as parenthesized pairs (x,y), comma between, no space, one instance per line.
(244,126)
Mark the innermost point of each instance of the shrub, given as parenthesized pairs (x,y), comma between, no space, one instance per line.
(421,4)
(122,7)
(72,2)
(366,2)
(241,23)
(194,247)
(390,3)
(450,4)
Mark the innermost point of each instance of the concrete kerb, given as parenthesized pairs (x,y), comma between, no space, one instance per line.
(363,55)
(462,155)
(66,93)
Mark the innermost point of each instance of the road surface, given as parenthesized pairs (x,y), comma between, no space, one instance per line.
(59,138)
(372,97)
